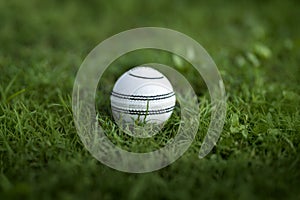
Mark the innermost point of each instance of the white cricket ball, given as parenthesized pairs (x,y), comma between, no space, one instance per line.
(142,94)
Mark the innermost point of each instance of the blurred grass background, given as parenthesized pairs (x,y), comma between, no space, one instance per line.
(256,47)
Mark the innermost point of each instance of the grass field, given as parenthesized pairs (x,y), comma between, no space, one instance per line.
(256,47)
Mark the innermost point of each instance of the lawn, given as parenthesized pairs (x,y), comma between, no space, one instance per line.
(256,46)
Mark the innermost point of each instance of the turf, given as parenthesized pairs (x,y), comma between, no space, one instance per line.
(256,47)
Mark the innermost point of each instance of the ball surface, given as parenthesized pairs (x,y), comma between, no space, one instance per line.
(142,94)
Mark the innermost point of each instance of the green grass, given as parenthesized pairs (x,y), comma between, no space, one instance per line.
(256,47)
